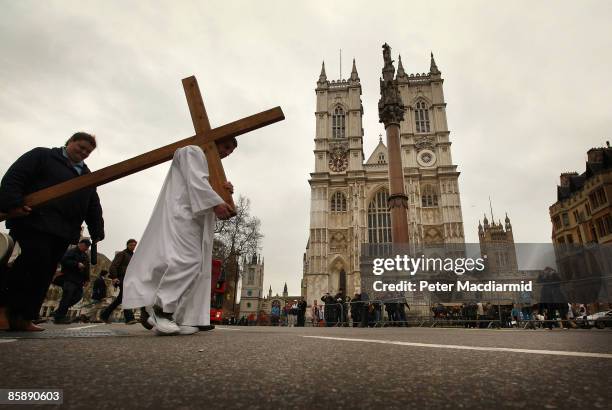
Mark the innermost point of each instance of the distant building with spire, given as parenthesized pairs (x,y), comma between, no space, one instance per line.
(252,286)
(497,245)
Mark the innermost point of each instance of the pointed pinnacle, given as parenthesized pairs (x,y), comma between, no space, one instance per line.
(354,75)
(433,68)
(400,68)
(323,76)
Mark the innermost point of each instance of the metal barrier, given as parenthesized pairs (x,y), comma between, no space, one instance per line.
(396,313)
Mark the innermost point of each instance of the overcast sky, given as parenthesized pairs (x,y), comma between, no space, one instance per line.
(526,83)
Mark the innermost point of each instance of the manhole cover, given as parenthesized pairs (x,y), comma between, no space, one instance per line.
(58,333)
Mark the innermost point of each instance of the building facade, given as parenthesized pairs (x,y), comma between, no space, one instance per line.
(349,192)
(583,211)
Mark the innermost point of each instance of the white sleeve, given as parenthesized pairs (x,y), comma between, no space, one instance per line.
(194,167)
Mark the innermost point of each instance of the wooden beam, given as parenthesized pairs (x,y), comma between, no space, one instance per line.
(150,159)
(201,125)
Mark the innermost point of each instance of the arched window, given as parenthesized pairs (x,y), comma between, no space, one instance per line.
(338,202)
(381,158)
(338,123)
(379,219)
(429,196)
(421,117)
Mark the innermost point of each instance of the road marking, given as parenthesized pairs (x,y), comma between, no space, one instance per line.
(459,347)
(81,327)
(224,328)
(7,340)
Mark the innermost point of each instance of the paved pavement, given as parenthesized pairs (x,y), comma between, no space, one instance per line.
(118,366)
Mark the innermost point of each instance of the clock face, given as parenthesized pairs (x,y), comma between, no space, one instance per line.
(338,160)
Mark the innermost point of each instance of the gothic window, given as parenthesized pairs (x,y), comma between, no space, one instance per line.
(421,117)
(379,218)
(429,196)
(381,158)
(338,202)
(251,277)
(338,123)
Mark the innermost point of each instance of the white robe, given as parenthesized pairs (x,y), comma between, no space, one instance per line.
(171,267)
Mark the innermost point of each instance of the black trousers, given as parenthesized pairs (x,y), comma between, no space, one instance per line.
(71,295)
(26,283)
(127,313)
(301,318)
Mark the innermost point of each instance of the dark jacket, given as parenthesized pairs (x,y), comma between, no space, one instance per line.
(41,168)
(70,266)
(99,289)
(120,264)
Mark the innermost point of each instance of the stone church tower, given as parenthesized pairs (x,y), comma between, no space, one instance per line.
(497,243)
(349,194)
(252,286)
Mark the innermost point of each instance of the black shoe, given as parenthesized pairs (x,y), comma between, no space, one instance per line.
(144,319)
(205,328)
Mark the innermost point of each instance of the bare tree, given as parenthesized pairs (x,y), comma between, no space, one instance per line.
(239,235)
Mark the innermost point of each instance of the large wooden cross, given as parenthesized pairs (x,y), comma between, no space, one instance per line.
(205,137)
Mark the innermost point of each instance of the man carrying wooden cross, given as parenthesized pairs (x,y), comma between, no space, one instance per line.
(172,268)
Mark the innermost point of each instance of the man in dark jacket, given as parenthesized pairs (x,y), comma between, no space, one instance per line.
(44,233)
(75,269)
(117,273)
(301,312)
(330,309)
(98,294)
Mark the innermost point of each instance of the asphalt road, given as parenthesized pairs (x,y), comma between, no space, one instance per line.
(265,367)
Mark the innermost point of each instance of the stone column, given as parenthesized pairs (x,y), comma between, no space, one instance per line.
(391,113)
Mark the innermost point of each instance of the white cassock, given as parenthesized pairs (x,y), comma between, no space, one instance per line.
(172,266)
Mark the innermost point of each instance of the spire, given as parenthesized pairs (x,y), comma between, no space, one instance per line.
(400,68)
(354,76)
(322,77)
(508,224)
(433,68)
(285,293)
(485,221)
(491,207)
(270,292)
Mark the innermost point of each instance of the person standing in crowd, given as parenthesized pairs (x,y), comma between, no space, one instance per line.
(98,294)
(301,312)
(401,311)
(75,269)
(275,313)
(315,313)
(356,309)
(365,308)
(117,272)
(340,307)
(329,309)
(44,233)
(390,306)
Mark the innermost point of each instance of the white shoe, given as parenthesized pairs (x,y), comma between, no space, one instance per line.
(188,330)
(164,326)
